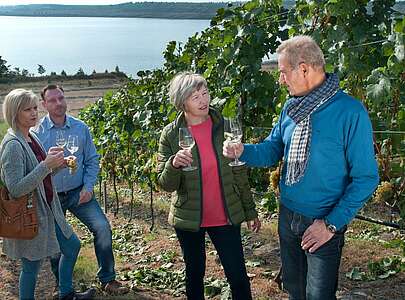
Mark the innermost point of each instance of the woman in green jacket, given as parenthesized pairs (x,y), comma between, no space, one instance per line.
(213,198)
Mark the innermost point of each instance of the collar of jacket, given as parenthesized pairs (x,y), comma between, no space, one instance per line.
(216,118)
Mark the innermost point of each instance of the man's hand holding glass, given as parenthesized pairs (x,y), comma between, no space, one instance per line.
(232,150)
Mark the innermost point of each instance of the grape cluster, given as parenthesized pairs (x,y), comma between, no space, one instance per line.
(275,179)
(384,192)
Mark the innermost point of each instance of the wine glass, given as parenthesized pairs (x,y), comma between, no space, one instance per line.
(186,142)
(73,144)
(233,134)
(60,139)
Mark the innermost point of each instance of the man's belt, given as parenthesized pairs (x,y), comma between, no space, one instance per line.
(69,191)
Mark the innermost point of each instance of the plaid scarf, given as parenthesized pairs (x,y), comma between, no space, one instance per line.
(300,109)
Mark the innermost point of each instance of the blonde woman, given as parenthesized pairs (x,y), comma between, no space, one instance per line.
(26,168)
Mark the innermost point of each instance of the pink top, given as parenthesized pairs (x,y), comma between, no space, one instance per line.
(213,212)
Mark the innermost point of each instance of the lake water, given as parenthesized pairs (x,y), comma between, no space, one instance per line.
(98,44)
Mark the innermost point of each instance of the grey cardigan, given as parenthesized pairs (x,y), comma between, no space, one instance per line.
(22,174)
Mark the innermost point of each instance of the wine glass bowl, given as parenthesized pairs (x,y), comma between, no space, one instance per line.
(73,144)
(233,134)
(186,142)
(60,139)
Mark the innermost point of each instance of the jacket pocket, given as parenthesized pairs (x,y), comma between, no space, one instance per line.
(180,200)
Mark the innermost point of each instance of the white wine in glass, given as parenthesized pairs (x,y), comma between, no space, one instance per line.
(186,142)
(73,144)
(233,134)
(60,139)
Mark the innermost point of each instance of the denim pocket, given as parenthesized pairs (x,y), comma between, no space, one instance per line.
(300,223)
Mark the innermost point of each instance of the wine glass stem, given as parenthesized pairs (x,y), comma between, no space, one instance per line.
(236,157)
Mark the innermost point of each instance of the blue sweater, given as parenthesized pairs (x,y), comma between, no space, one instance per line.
(341,172)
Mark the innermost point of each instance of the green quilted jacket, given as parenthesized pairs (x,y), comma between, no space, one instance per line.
(186,205)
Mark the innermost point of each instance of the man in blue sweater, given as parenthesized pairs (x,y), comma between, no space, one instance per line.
(329,171)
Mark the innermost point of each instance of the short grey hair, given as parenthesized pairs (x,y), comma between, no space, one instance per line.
(183,85)
(302,49)
(16,101)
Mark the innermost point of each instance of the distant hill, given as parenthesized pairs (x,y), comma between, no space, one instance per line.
(124,10)
(164,10)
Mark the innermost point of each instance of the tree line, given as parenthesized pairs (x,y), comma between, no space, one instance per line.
(10,74)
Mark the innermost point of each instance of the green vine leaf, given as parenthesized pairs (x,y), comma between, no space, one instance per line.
(378,89)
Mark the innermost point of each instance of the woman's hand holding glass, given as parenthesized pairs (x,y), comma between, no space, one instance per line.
(184,158)
(54,158)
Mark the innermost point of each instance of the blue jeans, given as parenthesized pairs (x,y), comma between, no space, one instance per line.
(91,215)
(227,242)
(307,276)
(28,277)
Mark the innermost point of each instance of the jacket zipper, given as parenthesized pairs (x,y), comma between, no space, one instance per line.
(220,177)
(201,184)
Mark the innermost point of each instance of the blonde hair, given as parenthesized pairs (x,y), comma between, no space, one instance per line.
(302,49)
(16,101)
(183,85)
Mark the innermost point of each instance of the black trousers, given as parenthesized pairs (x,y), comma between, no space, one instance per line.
(227,241)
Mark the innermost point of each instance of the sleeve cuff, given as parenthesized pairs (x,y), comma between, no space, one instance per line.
(242,157)
(334,220)
(169,166)
(88,188)
(47,170)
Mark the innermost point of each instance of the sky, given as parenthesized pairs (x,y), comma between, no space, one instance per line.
(86,2)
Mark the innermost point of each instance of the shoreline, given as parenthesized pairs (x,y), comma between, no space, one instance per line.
(106,17)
